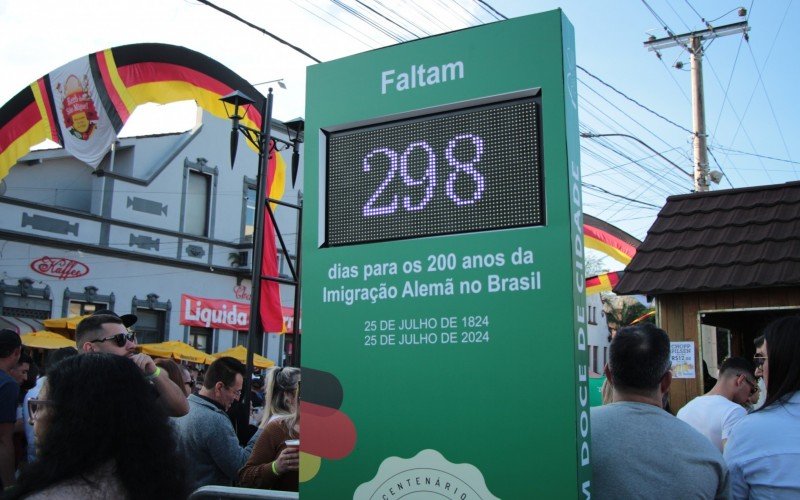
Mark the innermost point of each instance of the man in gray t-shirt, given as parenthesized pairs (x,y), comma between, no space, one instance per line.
(638,449)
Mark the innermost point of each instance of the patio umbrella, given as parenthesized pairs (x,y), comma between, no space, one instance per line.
(64,326)
(43,339)
(240,352)
(174,349)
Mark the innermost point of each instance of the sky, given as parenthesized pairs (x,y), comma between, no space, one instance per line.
(750,103)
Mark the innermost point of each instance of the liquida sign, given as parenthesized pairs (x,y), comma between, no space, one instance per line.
(214,313)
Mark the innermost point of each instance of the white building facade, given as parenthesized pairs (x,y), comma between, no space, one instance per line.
(162,229)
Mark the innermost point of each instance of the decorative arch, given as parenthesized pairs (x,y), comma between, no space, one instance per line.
(84,104)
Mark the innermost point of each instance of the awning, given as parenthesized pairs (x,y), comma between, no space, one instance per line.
(21,325)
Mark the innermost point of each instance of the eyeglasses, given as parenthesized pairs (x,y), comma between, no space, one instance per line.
(759,361)
(37,405)
(235,393)
(753,387)
(120,339)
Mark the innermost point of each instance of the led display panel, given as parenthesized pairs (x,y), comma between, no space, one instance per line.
(476,168)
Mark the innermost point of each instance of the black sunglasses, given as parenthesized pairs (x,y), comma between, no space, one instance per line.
(120,339)
(759,361)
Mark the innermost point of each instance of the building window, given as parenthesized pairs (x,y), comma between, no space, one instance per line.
(200,180)
(198,196)
(250,195)
(152,325)
(23,300)
(77,308)
(200,338)
(86,302)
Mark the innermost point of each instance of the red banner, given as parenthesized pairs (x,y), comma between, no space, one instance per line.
(214,313)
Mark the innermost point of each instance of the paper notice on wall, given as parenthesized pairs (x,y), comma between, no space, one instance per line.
(682,356)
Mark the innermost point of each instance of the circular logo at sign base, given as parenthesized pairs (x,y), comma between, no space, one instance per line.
(425,475)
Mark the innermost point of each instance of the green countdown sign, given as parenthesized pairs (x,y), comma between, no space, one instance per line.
(444,333)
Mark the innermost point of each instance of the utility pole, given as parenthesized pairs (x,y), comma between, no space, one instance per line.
(693,43)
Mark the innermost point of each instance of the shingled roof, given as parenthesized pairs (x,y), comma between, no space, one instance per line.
(720,240)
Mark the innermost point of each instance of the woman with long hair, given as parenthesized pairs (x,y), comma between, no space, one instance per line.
(275,461)
(763,448)
(280,393)
(100,434)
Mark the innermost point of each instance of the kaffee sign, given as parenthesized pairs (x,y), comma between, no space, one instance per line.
(214,313)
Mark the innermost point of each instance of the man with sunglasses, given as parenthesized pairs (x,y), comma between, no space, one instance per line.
(106,332)
(715,413)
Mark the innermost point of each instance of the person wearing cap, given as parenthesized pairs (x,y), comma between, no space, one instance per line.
(10,350)
(104,331)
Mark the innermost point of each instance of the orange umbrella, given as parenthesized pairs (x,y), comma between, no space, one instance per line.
(239,352)
(46,340)
(177,350)
(64,326)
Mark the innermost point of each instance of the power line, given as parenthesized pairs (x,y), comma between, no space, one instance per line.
(729,150)
(491,8)
(346,32)
(384,17)
(633,100)
(598,188)
(367,20)
(258,28)
(415,25)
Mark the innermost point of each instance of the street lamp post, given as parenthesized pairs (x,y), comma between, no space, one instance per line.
(261,140)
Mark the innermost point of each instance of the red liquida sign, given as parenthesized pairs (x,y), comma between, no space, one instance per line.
(214,313)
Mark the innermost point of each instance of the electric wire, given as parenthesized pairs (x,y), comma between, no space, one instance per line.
(419,28)
(739,152)
(367,20)
(769,102)
(738,117)
(633,100)
(719,166)
(639,202)
(727,88)
(469,13)
(766,60)
(648,130)
(339,28)
(486,4)
(427,15)
(672,76)
(666,28)
(257,28)
(388,19)
(444,6)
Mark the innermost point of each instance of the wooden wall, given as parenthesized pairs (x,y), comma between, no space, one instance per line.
(678,315)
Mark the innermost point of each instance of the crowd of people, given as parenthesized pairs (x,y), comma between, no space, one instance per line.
(105,421)
(723,444)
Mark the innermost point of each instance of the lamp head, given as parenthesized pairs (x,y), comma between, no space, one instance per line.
(236,104)
(297,126)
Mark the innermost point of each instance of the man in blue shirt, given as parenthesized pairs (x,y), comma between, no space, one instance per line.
(10,350)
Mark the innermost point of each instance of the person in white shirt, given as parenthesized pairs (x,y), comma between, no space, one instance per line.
(714,414)
(763,451)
